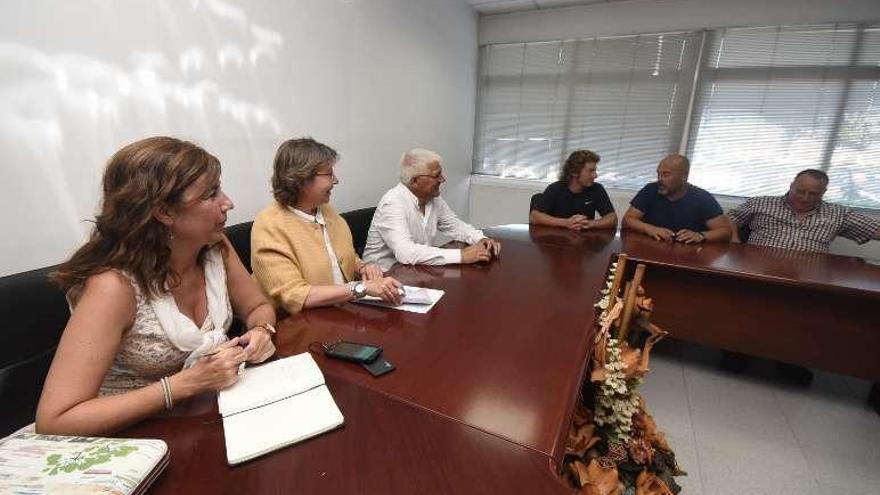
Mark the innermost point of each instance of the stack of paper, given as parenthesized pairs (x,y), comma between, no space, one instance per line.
(415,300)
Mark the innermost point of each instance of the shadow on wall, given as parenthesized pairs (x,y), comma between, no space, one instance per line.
(69,98)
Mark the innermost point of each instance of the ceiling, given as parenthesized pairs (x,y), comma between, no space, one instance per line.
(486,7)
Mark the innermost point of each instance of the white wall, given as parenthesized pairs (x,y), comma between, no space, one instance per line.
(80,79)
(497,201)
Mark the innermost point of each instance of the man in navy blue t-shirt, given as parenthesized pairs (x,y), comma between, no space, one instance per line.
(576,198)
(673,210)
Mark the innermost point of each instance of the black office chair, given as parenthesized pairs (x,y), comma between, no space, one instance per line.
(744,233)
(533,204)
(359,223)
(240,237)
(34,313)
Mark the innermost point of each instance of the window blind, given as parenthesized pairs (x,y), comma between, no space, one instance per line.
(624,98)
(774,101)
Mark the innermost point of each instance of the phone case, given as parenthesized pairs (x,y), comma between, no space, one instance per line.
(378,367)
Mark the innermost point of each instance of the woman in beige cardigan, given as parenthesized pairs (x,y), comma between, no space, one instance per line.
(302,251)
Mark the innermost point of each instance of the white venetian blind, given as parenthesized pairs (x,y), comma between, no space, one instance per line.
(624,98)
(774,101)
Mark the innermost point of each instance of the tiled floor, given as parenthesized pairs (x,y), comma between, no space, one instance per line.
(749,434)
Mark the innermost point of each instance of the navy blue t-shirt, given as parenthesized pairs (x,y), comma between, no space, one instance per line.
(558,201)
(690,212)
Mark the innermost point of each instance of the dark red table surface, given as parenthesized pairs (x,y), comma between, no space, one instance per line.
(486,382)
(386,446)
(819,271)
(503,351)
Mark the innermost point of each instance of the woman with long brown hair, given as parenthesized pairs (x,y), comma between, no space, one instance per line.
(152,295)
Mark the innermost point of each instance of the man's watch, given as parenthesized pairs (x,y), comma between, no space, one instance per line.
(358,290)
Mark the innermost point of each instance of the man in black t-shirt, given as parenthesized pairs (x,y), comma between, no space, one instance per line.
(671,209)
(574,200)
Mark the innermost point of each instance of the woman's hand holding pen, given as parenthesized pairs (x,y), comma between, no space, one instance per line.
(213,372)
(258,344)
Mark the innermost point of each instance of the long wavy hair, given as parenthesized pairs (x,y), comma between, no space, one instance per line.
(139,178)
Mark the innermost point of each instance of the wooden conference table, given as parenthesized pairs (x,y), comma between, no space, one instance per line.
(486,382)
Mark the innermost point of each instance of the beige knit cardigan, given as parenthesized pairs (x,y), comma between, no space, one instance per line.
(288,254)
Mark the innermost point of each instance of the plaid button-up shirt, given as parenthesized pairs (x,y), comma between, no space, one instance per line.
(774,224)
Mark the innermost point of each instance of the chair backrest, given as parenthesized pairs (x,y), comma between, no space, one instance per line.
(240,237)
(744,233)
(34,313)
(359,223)
(533,204)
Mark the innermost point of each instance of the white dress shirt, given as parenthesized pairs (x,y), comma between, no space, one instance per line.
(338,279)
(400,232)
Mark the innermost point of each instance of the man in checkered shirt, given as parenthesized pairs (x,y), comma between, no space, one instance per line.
(800,220)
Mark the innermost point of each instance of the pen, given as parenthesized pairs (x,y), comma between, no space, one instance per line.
(217,351)
(240,366)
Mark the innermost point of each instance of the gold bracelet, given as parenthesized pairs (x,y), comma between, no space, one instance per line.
(267,327)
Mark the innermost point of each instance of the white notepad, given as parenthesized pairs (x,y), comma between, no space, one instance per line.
(275,405)
(416,300)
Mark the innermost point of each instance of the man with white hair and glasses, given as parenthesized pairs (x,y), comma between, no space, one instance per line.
(410,217)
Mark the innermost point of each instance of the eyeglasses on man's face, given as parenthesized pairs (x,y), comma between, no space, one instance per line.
(438,177)
(330,174)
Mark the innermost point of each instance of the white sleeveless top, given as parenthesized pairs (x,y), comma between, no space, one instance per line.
(162,340)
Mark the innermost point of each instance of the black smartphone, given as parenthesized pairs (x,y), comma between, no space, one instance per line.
(352,351)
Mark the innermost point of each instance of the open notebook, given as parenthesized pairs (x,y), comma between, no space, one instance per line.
(32,463)
(275,405)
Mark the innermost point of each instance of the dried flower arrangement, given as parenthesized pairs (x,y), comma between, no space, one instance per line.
(614,447)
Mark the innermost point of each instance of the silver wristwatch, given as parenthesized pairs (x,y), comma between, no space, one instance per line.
(358,290)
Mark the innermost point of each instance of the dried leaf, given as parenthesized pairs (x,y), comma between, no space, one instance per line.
(646,424)
(632,361)
(600,480)
(641,452)
(649,484)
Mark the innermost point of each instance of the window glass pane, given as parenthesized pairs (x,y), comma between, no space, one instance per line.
(623,97)
(774,101)
(754,136)
(781,46)
(855,165)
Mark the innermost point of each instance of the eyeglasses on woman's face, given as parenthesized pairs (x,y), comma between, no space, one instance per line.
(330,174)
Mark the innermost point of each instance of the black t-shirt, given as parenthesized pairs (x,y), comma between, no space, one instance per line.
(558,201)
(690,212)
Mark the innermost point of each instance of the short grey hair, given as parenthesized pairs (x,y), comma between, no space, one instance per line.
(814,173)
(415,162)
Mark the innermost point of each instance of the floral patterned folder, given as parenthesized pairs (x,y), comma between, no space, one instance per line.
(31,463)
